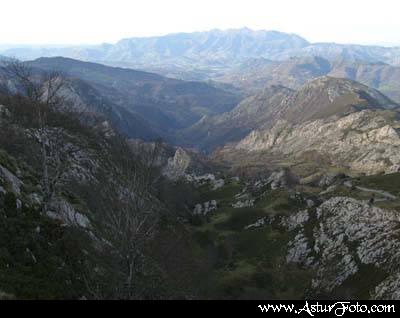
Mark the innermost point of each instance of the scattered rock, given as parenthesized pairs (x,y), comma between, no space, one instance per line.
(4,111)
(348,184)
(310,203)
(393,169)
(329,189)
(259,223)
(106,128)
(282,179)
(296,220)
(389,288)
(206,179)
(243,204)
(331,178)
(64,212)
(243,195)
(14,181)
(219,183)
(299,250)
(205,208)
(35,198)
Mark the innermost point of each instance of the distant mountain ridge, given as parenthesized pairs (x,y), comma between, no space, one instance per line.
(214,44)
(214,48)
(254,74)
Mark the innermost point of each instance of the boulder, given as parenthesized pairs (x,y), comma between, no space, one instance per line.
(205,208)
(282,179)
(243,204)
(331,178)
(12,179)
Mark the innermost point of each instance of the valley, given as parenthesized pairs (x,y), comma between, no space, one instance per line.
(264,235)
(233,164)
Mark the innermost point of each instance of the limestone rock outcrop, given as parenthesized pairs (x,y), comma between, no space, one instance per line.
(346,235)
(177,165)
(366,141)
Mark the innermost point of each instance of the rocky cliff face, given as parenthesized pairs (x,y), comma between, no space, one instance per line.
(319,99)
(366,141)
(340,121)
(344,236)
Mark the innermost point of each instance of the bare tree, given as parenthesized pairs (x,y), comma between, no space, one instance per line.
(40,87)
(127,215)
(43,92)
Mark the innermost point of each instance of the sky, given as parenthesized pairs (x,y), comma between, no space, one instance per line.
(99,21)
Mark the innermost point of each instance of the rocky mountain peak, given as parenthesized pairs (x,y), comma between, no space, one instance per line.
(327,96)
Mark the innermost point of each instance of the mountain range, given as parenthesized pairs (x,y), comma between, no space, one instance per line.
(141,104)
(213,49)
(245,58)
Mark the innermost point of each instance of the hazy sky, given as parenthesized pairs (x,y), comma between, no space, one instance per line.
(97,21)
